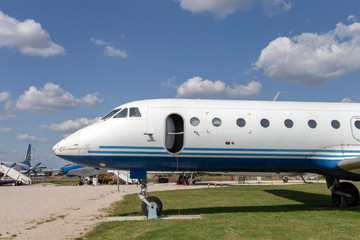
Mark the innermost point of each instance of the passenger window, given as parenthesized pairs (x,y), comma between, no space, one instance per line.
(122,114)
(312,123)
(288,123)
(194,121)
(110,114)
(265,123)
(241,122)
(216,122)
(357,124)
(335,124)
(134,112)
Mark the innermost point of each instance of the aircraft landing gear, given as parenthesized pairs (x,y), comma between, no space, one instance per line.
(343,194)
(151,206)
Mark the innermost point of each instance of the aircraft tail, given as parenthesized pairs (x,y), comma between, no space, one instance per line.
(27,159)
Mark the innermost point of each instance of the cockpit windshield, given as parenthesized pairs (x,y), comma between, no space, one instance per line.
(122,114)
(110,114)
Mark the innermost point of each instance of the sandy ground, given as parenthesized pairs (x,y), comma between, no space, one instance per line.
(66,212)
(59,212)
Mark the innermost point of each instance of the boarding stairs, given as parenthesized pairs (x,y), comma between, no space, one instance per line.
(14,174)
(124,175)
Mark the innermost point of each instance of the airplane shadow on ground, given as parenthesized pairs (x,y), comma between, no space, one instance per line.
(310,201)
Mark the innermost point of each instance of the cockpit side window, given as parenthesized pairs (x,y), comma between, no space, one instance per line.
(110,114)
(122,113)
(134,112)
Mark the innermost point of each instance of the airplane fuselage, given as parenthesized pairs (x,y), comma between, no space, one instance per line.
(221,135)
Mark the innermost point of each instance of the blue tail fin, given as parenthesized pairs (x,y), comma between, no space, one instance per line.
(27,156)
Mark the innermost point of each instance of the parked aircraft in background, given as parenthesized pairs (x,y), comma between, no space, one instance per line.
(224,135)
(73,170)
(24,166)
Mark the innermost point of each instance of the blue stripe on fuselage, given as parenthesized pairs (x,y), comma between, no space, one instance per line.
(168,163)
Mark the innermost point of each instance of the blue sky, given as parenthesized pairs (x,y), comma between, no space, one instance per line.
(63,64)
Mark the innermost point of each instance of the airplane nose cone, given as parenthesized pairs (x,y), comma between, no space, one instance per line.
(69,146)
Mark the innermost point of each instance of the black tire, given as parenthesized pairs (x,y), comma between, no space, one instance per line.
(181,180)
(153,201)
(348,188)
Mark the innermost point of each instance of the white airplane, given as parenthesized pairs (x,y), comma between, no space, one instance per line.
(24,166)
(224,135)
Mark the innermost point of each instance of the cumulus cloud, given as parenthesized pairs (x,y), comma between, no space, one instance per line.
(348,100)
(52,97)
(28,37)
(223,8)
(91,100)
(4,96)
(196,87)
(252,89)
(111,51)
(69,125)
(5,130)
(31,139)
(311,58)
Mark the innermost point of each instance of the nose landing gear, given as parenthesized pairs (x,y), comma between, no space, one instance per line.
(151,206)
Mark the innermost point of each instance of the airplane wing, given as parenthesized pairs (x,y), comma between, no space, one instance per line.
(351,165)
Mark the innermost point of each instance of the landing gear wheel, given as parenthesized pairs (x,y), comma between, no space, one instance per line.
(350,189)
(154,201)
(181,180)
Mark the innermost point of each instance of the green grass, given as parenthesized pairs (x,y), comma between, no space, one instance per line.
(243,212)
(57,181)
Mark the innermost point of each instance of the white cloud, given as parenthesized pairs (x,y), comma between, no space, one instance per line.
(31,139)
(252,89)
(352,18)
(311,58)
(98,41)
(70,125)
(276,6)
(111,51)
(169,83)
(4,96)
(348,100)
(196,87)
(8,116)
(223,8)
(52,97)
(5,130)
(27,36)
(91,100)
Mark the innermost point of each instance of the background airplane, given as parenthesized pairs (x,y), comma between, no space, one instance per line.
(24,166)
(74,170)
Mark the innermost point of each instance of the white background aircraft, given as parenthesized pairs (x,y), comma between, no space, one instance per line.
(24,166)
(221,135)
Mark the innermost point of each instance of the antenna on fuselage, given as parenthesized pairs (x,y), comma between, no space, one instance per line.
(277,95)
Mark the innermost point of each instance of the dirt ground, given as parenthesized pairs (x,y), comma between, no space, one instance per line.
(66,212)
(59,212)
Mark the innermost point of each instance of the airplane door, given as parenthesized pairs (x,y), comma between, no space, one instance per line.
(174,133)
(355,127)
